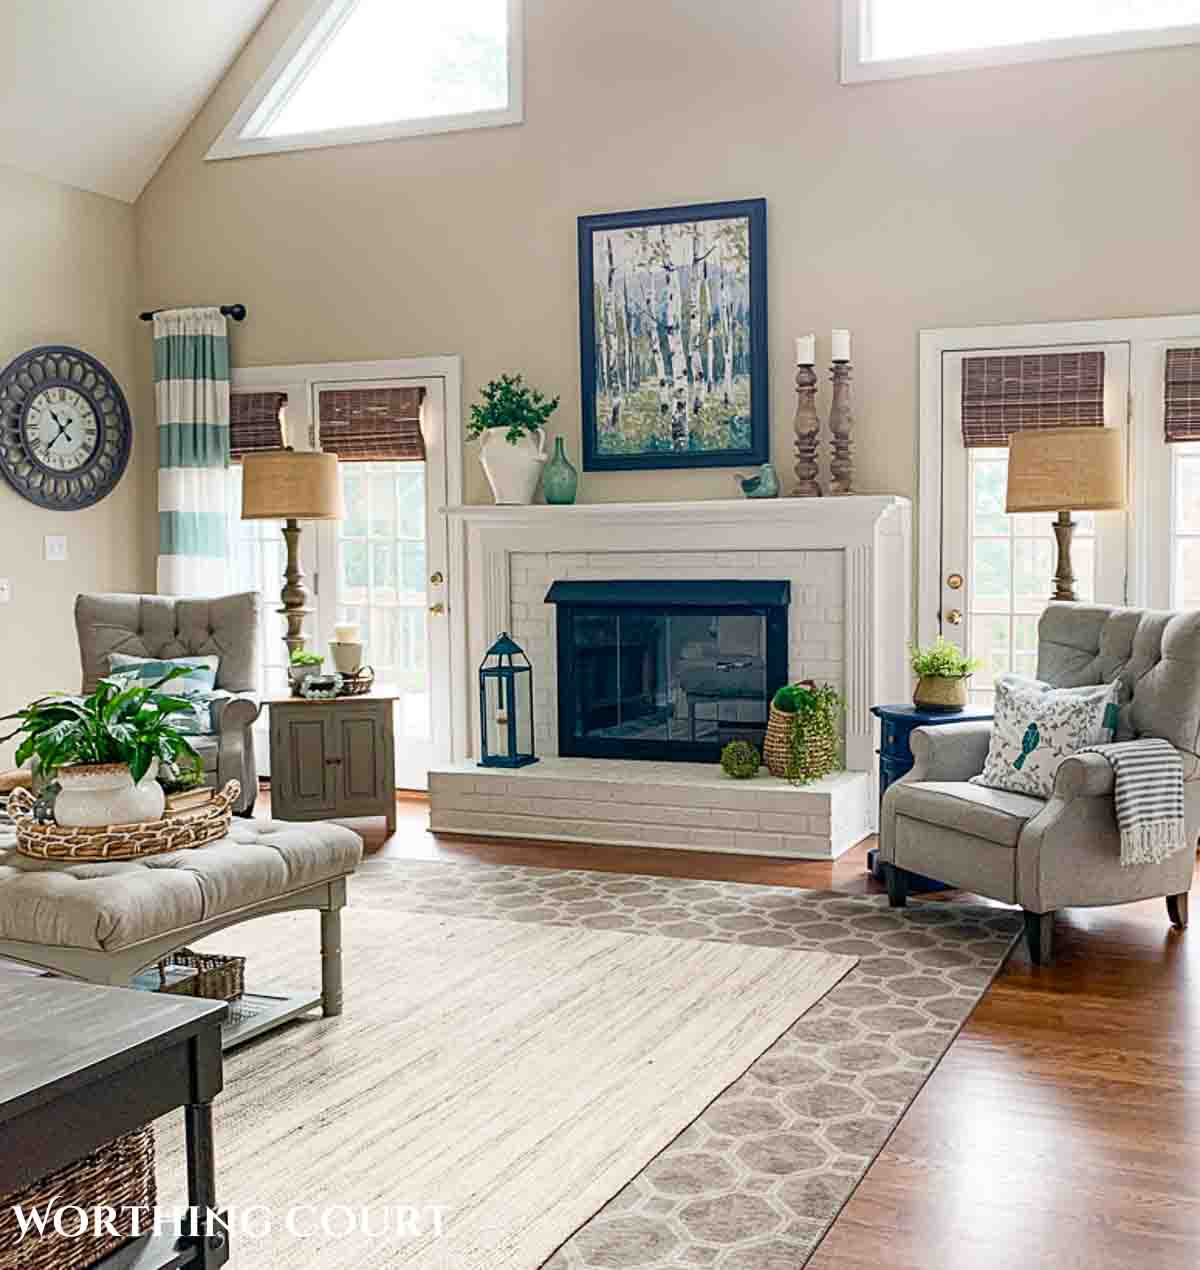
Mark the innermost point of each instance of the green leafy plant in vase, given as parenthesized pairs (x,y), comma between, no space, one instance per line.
(510,424)
(104,749)
(942,671)
(301,663)
(803,740)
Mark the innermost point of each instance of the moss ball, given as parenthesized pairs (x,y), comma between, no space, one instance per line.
(740,760)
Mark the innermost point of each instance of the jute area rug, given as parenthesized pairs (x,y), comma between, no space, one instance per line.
(738,1153)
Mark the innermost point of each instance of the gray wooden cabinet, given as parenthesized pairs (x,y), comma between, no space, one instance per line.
(331,760)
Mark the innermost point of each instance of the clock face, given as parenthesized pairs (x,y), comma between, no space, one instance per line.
(60,429)
(65,431)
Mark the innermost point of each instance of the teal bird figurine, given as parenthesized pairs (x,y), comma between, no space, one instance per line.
(1029,743)
(763,484)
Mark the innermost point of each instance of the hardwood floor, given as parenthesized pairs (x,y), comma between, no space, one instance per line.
(1062,1129)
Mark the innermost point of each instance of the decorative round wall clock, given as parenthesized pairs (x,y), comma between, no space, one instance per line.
(65,431)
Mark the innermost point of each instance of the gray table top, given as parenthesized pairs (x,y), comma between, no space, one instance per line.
(57,1035)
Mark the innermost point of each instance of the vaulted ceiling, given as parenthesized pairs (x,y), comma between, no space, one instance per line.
(94,93)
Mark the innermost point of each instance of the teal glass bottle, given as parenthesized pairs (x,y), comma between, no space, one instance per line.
(560,480)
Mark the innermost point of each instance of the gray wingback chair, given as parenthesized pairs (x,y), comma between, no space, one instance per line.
(1063,851)
(164,626)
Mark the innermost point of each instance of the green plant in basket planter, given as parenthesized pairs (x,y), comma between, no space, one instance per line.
(811,712)
(942,671)
(740,760)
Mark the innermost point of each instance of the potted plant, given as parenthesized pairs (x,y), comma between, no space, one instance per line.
(104,749)
(509,423)
(802,731)
(942,672)
(302,663)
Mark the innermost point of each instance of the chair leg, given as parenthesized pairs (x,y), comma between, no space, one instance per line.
(1177,909)
(897,885)
(331,962)
(1039,935)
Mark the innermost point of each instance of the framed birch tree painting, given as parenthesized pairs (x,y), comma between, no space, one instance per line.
(673,337)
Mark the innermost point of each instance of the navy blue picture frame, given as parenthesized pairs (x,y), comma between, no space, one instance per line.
(758,451)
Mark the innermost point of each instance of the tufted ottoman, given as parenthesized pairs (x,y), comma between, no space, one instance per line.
(105,922)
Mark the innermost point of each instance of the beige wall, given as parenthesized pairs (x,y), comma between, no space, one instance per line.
(1054,191)
(68,278)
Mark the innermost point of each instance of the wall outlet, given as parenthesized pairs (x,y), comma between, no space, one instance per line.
(56,546)
(5,590)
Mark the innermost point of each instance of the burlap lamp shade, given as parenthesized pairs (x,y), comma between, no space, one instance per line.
(1063,470)
(292,485)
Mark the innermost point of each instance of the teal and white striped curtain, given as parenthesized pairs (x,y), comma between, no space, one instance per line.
(191,389)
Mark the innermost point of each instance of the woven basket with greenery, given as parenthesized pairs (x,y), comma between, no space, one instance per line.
(802,741)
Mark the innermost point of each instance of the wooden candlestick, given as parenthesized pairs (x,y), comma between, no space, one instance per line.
(841,423)
(807,427)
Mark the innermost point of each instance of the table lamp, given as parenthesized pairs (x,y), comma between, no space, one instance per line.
(292,485)
(1063,470)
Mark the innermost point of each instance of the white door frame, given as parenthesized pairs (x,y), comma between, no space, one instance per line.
(300,382)
(1143,419)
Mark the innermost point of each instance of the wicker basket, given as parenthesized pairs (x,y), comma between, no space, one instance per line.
(217,978)
(815,756)
(119,1175)
(175,832)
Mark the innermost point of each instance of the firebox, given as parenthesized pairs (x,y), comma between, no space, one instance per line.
(667,670)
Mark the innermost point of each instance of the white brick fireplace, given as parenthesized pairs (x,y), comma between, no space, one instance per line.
(849,564)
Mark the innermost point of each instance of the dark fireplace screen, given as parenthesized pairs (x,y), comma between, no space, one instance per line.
(667,670)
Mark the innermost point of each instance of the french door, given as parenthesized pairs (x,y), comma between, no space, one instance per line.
(997,569)
(384,567)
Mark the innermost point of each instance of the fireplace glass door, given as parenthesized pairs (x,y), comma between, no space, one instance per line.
(671,681)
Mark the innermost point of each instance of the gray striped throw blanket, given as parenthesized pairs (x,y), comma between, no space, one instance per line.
(1148,791)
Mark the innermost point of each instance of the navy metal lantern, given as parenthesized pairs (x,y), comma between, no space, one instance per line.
(506,706)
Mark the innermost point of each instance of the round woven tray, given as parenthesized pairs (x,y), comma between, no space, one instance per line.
(357,684)
(175,832)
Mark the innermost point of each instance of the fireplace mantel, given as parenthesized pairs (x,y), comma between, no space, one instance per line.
(721,537)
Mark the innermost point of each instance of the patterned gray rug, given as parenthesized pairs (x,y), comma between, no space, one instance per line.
(757,1180)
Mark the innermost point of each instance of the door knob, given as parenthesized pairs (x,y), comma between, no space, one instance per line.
(437,609)
(954,581)
(437,578)
(954,617)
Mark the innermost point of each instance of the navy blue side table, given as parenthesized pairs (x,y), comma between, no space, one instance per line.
(895,758)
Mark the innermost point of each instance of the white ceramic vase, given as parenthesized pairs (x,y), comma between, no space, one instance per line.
(100,794)
(513,468)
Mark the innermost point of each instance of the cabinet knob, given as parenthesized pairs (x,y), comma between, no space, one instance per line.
(332,762)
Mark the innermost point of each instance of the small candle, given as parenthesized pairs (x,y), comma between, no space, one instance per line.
(806,350)
(841,345)
(346,633)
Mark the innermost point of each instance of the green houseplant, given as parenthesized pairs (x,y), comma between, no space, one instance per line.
(510,423)
(302,663)
(942,671)
(802,731)
(105,748)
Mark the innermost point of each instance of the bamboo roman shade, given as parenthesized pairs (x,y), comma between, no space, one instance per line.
(1016,392)
(1182,407)
(364,424)
(255,423)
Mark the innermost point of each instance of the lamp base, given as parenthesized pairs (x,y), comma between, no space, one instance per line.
(294,596)
(1064,576)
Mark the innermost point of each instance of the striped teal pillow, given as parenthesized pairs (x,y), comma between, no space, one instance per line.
(201,676)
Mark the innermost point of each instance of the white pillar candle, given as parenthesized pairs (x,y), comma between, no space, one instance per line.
(346,632)
(806,350)
(841,345)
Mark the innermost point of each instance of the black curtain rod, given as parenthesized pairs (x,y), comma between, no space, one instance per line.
(235,311)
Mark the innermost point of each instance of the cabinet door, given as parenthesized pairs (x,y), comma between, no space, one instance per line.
(364,772)
(302,746)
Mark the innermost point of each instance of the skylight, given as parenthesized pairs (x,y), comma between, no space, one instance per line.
(363,70)
(895,37)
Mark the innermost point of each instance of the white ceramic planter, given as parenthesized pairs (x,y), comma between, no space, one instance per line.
(513,469)
(104,794)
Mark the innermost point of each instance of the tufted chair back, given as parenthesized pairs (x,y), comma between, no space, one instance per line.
(164,626)
(1155,655)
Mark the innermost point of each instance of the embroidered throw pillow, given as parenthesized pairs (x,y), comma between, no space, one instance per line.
(1037,726)
(198,686)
